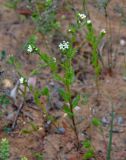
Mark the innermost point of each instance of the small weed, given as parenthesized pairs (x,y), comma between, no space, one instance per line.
(38,156)
(94,41)
(85,98)
(4,149)
(89,150)
(12,4)
(3,55)
(4,101)
(24,158)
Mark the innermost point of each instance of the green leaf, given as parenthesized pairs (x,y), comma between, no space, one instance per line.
(45,91)
(3,55)
(85,98)
(57,77)
(52,64)
(48,3)
(97,69)
(26,131)
(4,100)
(36,97)
(35,72)
(32,40)
(71,52)
(4,149)
(44,57)
(75,101)
(38,156)
(65,95)
(12,4)
(24,158)
(96,122)
(34,126)
(11,60)
(69,76)
(89,154)
(6,129)
(68,111)
(87,144)
(49,61)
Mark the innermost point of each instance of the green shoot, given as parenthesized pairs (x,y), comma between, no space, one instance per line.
(4,149)
(109,149)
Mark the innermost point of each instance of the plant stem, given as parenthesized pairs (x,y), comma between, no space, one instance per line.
(73,118)
(109,149)
(98,90)
(97,85)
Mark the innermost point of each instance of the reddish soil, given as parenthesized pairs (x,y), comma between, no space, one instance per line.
(14,32)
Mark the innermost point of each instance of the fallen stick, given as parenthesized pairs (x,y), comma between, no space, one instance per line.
(17,115)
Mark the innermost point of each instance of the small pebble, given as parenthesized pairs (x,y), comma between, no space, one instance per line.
(105,121)
(116,130)
(47,125)
(7,83)
(122,42)
(52,84)
(60,131)
(124,78)
(77,108)
(120,120)
(107,81)
(48,122)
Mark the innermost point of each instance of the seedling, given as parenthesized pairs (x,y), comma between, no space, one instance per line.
(4,101)
(12,4)
(38,156)
(94,41)
(4,149)
(89,150)
(44,17)
(24,158)
(3,55)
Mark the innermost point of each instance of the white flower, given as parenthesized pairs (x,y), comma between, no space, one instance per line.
(103,31)
(68,104)
(54,59)
(65,115)
(61,46)
(4,140)
(77,108)
(32,81)
(21,80)
(29,49)
(64,45)
(40,128)
(89,21)
(82,16)
(69,30)
(24,122)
